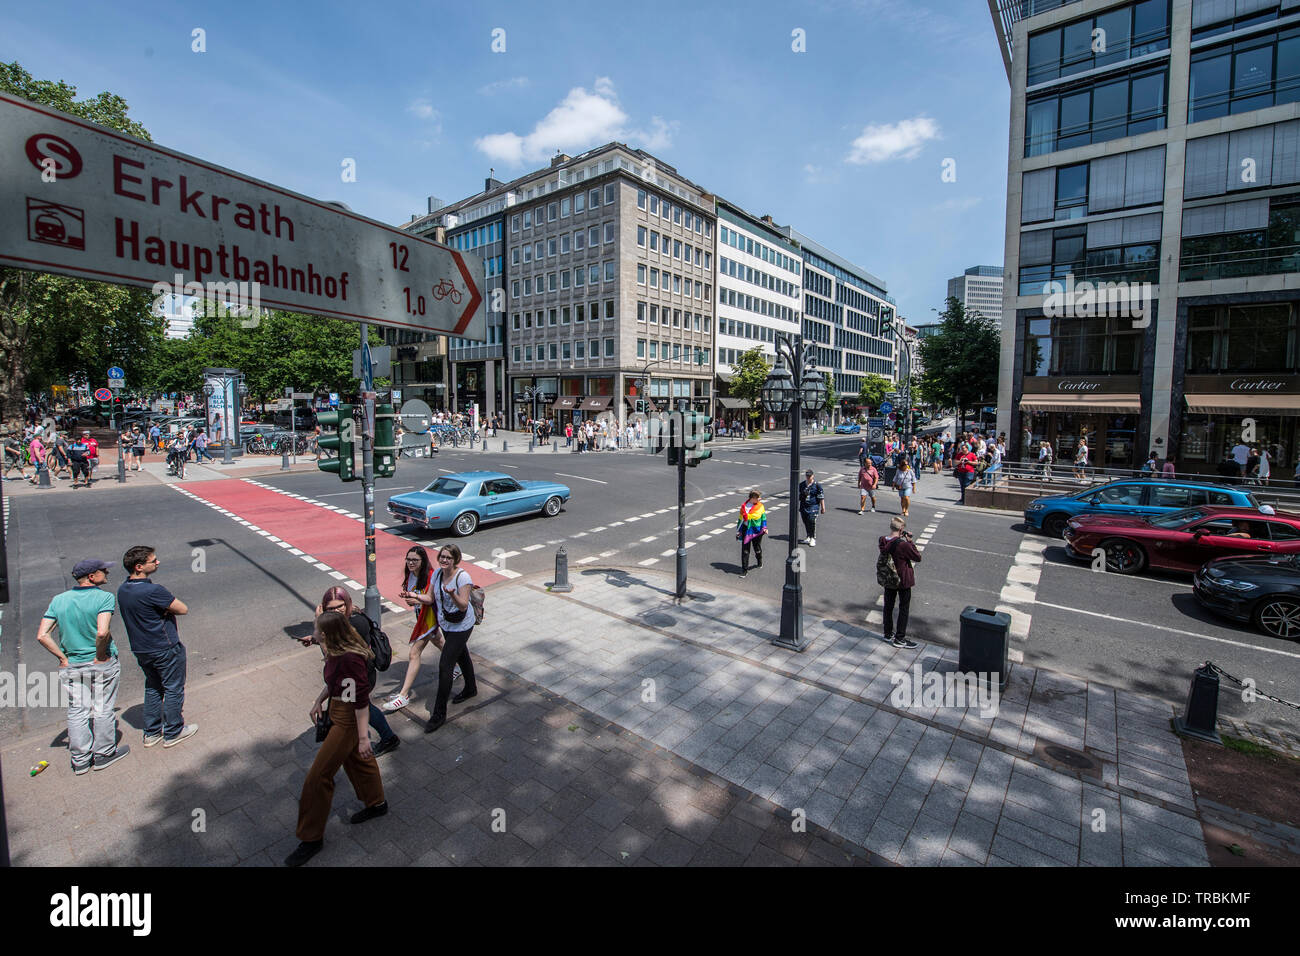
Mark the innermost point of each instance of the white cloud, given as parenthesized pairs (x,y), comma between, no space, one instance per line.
(584,118)
(423,109)
(957,205)
(901,140)
(514,83)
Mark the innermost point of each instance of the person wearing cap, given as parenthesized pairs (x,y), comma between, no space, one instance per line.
(812,502)
(89,669)
(92,453)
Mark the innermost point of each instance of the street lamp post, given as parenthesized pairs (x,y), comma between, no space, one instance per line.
(792,393)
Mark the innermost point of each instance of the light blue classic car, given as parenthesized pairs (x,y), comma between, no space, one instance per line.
(463,501)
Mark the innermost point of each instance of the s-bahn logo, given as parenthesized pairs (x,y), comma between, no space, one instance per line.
(1084,300)
(53,156)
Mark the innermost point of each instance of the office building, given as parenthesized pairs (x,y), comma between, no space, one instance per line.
(979,289)
(1153,204)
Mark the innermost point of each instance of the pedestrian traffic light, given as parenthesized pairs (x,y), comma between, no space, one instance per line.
(342,441)
(699,429)
(672,435)
(886,323)
(384,457)
(640,406)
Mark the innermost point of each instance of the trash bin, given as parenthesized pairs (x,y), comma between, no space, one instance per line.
(983,643)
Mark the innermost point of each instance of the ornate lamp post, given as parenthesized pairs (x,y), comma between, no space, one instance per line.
(781,393)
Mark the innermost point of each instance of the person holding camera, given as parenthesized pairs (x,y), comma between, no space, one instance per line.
(894,572)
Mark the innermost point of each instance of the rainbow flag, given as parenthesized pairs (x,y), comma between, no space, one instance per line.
(753,521)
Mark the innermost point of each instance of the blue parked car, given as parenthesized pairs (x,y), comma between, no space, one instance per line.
(463,501)
(1136,496)
(848,428)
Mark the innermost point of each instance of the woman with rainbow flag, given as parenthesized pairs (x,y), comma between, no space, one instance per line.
(750,530)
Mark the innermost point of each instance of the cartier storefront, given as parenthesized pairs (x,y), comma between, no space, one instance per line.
(1104,410)
(1258,411)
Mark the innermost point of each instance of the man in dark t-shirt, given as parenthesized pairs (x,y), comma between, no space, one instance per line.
(149,613)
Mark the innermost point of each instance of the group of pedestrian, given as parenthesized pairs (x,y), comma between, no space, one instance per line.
(42,449)
(77,629)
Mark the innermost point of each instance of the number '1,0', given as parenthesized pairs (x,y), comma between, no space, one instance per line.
(418,308)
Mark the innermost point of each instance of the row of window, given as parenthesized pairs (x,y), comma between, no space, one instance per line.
(1082,346)
(474,238)
(644,311)
(673,247)
(651,277)
(1101,251)
(567,351)
(580,202)
(856,300)
(1111,109)
(1104,184)
(843,275)
(1269,245)
(1111,37)
(758,277)
(753,303)
(732,357)
(678,353)
(689,221)
(819,308)
(560,245)
(752,247)
(581,313)
(746,330)
(1247,75)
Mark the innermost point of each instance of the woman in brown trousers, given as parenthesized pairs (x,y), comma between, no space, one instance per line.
(348,743)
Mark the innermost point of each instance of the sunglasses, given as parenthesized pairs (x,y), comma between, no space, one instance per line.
(336,607)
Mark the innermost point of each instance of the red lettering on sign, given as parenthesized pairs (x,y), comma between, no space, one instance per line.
(120,176)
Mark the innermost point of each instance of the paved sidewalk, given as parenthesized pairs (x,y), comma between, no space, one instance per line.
(614,727)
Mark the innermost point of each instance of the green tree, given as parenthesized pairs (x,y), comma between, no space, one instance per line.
(961,359)
(832,396)
(749,373)
(51,326)
(872,390)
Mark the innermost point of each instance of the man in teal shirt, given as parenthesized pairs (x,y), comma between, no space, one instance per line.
(88,666)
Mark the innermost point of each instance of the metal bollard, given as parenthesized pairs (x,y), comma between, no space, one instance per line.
(561,584)
(505,445)
(43,476)
(1202,710)
(530,444)
(555,445)
(284,461)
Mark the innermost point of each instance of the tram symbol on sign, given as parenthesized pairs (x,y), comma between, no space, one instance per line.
(56,224)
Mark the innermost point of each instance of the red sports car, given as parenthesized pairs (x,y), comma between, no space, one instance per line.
(1181,540)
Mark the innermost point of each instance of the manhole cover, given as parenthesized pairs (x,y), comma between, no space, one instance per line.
(1069,757)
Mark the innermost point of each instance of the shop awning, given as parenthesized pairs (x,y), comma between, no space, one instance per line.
(566,401)
(594,403)
(1258,402)
(1119,403)
(734,402)
(726,377)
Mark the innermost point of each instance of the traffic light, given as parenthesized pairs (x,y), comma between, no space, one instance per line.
(886,323)
(385,448)
(699,428)
(640,406)
(342,441)
(672,436)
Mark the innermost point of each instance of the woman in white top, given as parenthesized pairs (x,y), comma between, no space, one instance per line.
(1265,469)
(450,594)
(904,480)
(416,581)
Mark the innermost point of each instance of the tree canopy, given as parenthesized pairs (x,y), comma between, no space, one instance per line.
(749,373)
(961,359)
(872,390)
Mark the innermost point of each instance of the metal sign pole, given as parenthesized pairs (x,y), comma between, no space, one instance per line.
(679,437)
(373,610)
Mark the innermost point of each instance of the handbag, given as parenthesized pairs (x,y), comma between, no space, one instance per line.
(323,725)
(456,614)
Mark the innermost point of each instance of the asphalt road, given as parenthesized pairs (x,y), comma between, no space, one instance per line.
(1143,633)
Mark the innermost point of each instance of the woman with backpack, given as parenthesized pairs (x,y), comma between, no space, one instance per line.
(415,592)
(894,573)
(450,595)
(346,741)
(339,601)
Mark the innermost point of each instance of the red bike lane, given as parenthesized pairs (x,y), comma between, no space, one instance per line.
(329,537)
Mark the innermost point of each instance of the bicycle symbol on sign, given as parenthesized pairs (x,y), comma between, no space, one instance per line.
(447,288)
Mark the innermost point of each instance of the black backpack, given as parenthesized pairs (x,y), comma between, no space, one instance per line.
(380,645)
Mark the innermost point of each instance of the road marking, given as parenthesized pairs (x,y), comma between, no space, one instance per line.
(337,576)
(581,478)
(608,554)
(597,530)
(648,538)
(648,561)
(1171,630)
(1021,591)
(648,514)
(587,560)
(533,547)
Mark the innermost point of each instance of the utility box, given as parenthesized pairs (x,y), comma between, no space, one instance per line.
(983,643)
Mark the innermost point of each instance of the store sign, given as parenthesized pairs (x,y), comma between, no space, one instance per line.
(1077,386)
(1242,384)
(1040,385)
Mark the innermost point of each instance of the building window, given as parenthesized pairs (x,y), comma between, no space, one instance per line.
(1082,346)
(516,355)
(654,315)
(580,276)
(528,220)
(677,214)
(564,208)
(514,223)
(514,256)
(654,241)
(1072,191)
(640,311)
(1119,251)
(677,283)
(564,279)
(654,205)
(609,232)
(516,322)
(1248,75)
(552,213)
(551,317)
(564,315)
(654,350)
(528,287)
(1131,31)
(611,193)
(609,270)
(579,204)
(1243,338)
(654,278)
(537,250)
(1109,109)
(609,348)
(593,273)
(514,289)
(593,236)
(579,349)
(1254,237)
(593,199)
(564,244)
(579,311)
(550,247)
(640,235)
(609,308)
(677,249)
(550,282)
(640,346)
(677,318)
(640,275)
(528,353)
(566,351)
(528,253)
(593,348)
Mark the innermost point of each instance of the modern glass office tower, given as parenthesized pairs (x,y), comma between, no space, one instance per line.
(979,289)
(1153,229)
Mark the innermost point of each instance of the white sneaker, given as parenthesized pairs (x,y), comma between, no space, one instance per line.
(397,702)
(189,730)
(455,674)
(812,542)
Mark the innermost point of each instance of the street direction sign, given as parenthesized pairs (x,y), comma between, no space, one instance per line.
(381,361)
(103,395)
(80,200)
(886,408)
(116,372)
(876,433)
(875,422)
(302,396)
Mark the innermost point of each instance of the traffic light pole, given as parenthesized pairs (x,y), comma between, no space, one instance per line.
(680,436)
(373,600)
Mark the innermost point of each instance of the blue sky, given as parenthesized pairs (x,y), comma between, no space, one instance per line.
(846,141)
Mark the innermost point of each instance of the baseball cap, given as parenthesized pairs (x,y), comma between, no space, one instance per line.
(808,472)
(88,566)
